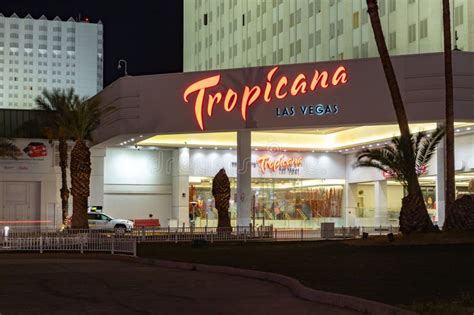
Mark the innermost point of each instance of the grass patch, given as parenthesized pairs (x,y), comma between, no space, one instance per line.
(406,272)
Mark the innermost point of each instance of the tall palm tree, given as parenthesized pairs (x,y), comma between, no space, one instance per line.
(449,173)
(55,127)
(84,117)
(391,158)
(414,205)
(8,149)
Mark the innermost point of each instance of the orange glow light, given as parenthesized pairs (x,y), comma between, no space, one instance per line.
(251,95)
(265,163)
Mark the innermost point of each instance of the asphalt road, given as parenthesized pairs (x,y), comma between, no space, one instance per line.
(53,285)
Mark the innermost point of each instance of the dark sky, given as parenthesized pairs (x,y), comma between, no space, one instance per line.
(148,34)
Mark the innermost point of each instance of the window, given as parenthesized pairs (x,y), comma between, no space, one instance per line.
(311,41)
(14,26)
(43,28)
(205,19)
(13,35)
(458,15)
(355,52)
(340,27)
(331,31)
(298,46)
(28,27)
(311,9)
(57,29)
(292,19)
(355,20)
(424,28)
(365,17)
(43,37)
(411,1)
(280,55)
(412,33)
(392,6)
(317,5)
(280,26)
(364,51)
(392,40)
(382,7)
(317,38)
(298,16)
(28,36)
(292,49)
(331,3)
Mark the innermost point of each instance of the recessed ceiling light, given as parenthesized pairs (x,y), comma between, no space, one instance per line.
(230,148)
(346,150)
(133,139)
(340,150)
(378,144)
(312,151)
(284,150)
(327,151)
(370,146)
(468,128)
(363,147)
(256,149)
(215,148)
(200,148)
(457,130)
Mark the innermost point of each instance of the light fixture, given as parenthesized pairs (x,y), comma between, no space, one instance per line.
(230,148)
(457,130)
(468,128)
(363,147)
(312,151)
(200,148)
(215,148)
(256,149)
(370,146)
(346,150)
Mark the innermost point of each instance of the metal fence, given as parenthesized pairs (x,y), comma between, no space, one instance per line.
(71,241)
(42,240)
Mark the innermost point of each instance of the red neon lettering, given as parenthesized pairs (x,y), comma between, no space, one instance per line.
(299,85)
(200,86)
(319,78)
(339,76)
(213,99)
(250,96)
(281,84)
(268,86)
(230,100)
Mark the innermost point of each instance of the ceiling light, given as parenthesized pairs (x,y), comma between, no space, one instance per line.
(468,128)
(215,148)
(133,139)
(363,147)
(312,151)
(200,148)
(457,130)
(256,149)
(370,146)
(230,148)
(346,150)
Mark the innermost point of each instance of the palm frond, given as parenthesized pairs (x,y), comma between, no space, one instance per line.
(8,149)
(428,146)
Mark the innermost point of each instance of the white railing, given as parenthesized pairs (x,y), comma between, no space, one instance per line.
(79,241)
(107,241)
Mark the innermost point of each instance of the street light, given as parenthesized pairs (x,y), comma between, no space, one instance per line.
(119,66)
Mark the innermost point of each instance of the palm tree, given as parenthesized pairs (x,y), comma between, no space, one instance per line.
(413,203)
(391,158)
(55,127)
(84,117)
(8,149)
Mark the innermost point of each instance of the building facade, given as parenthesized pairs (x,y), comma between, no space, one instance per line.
(220,34)
(37,54)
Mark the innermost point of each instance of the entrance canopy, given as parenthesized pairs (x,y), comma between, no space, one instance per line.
(313,95)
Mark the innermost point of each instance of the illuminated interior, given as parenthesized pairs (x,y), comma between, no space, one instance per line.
(323,139)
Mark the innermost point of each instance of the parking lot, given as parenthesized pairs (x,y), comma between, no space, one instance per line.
(52,284)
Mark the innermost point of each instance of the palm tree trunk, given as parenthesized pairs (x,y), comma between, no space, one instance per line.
(80,181)
(450,187)
(64,192)
(414,189)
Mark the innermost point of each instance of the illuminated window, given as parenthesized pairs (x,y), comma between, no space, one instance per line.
(355,20)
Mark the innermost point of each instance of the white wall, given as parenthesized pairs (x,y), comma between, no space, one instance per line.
(137,183)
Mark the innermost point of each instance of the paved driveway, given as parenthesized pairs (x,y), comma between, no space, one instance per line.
(53,285)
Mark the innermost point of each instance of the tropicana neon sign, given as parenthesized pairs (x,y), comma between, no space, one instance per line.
(250,95)
(265,163)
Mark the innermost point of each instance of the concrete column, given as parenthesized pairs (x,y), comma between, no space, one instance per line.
(440,183)
(350,203)
(180,190)
(244,177)
(96,197)
(381,210)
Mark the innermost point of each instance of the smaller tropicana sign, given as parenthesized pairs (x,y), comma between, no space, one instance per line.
(281,164)
(279,88)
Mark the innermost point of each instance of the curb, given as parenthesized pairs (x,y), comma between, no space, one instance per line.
(299,290)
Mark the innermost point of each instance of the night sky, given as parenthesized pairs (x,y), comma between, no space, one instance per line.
(148,34)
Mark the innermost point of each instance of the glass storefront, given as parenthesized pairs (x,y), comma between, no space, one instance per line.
(275,199)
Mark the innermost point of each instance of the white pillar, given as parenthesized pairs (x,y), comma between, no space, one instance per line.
(440,183)
(96,197)
(350,203)
(180,181)
(244,177)
(381,211)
